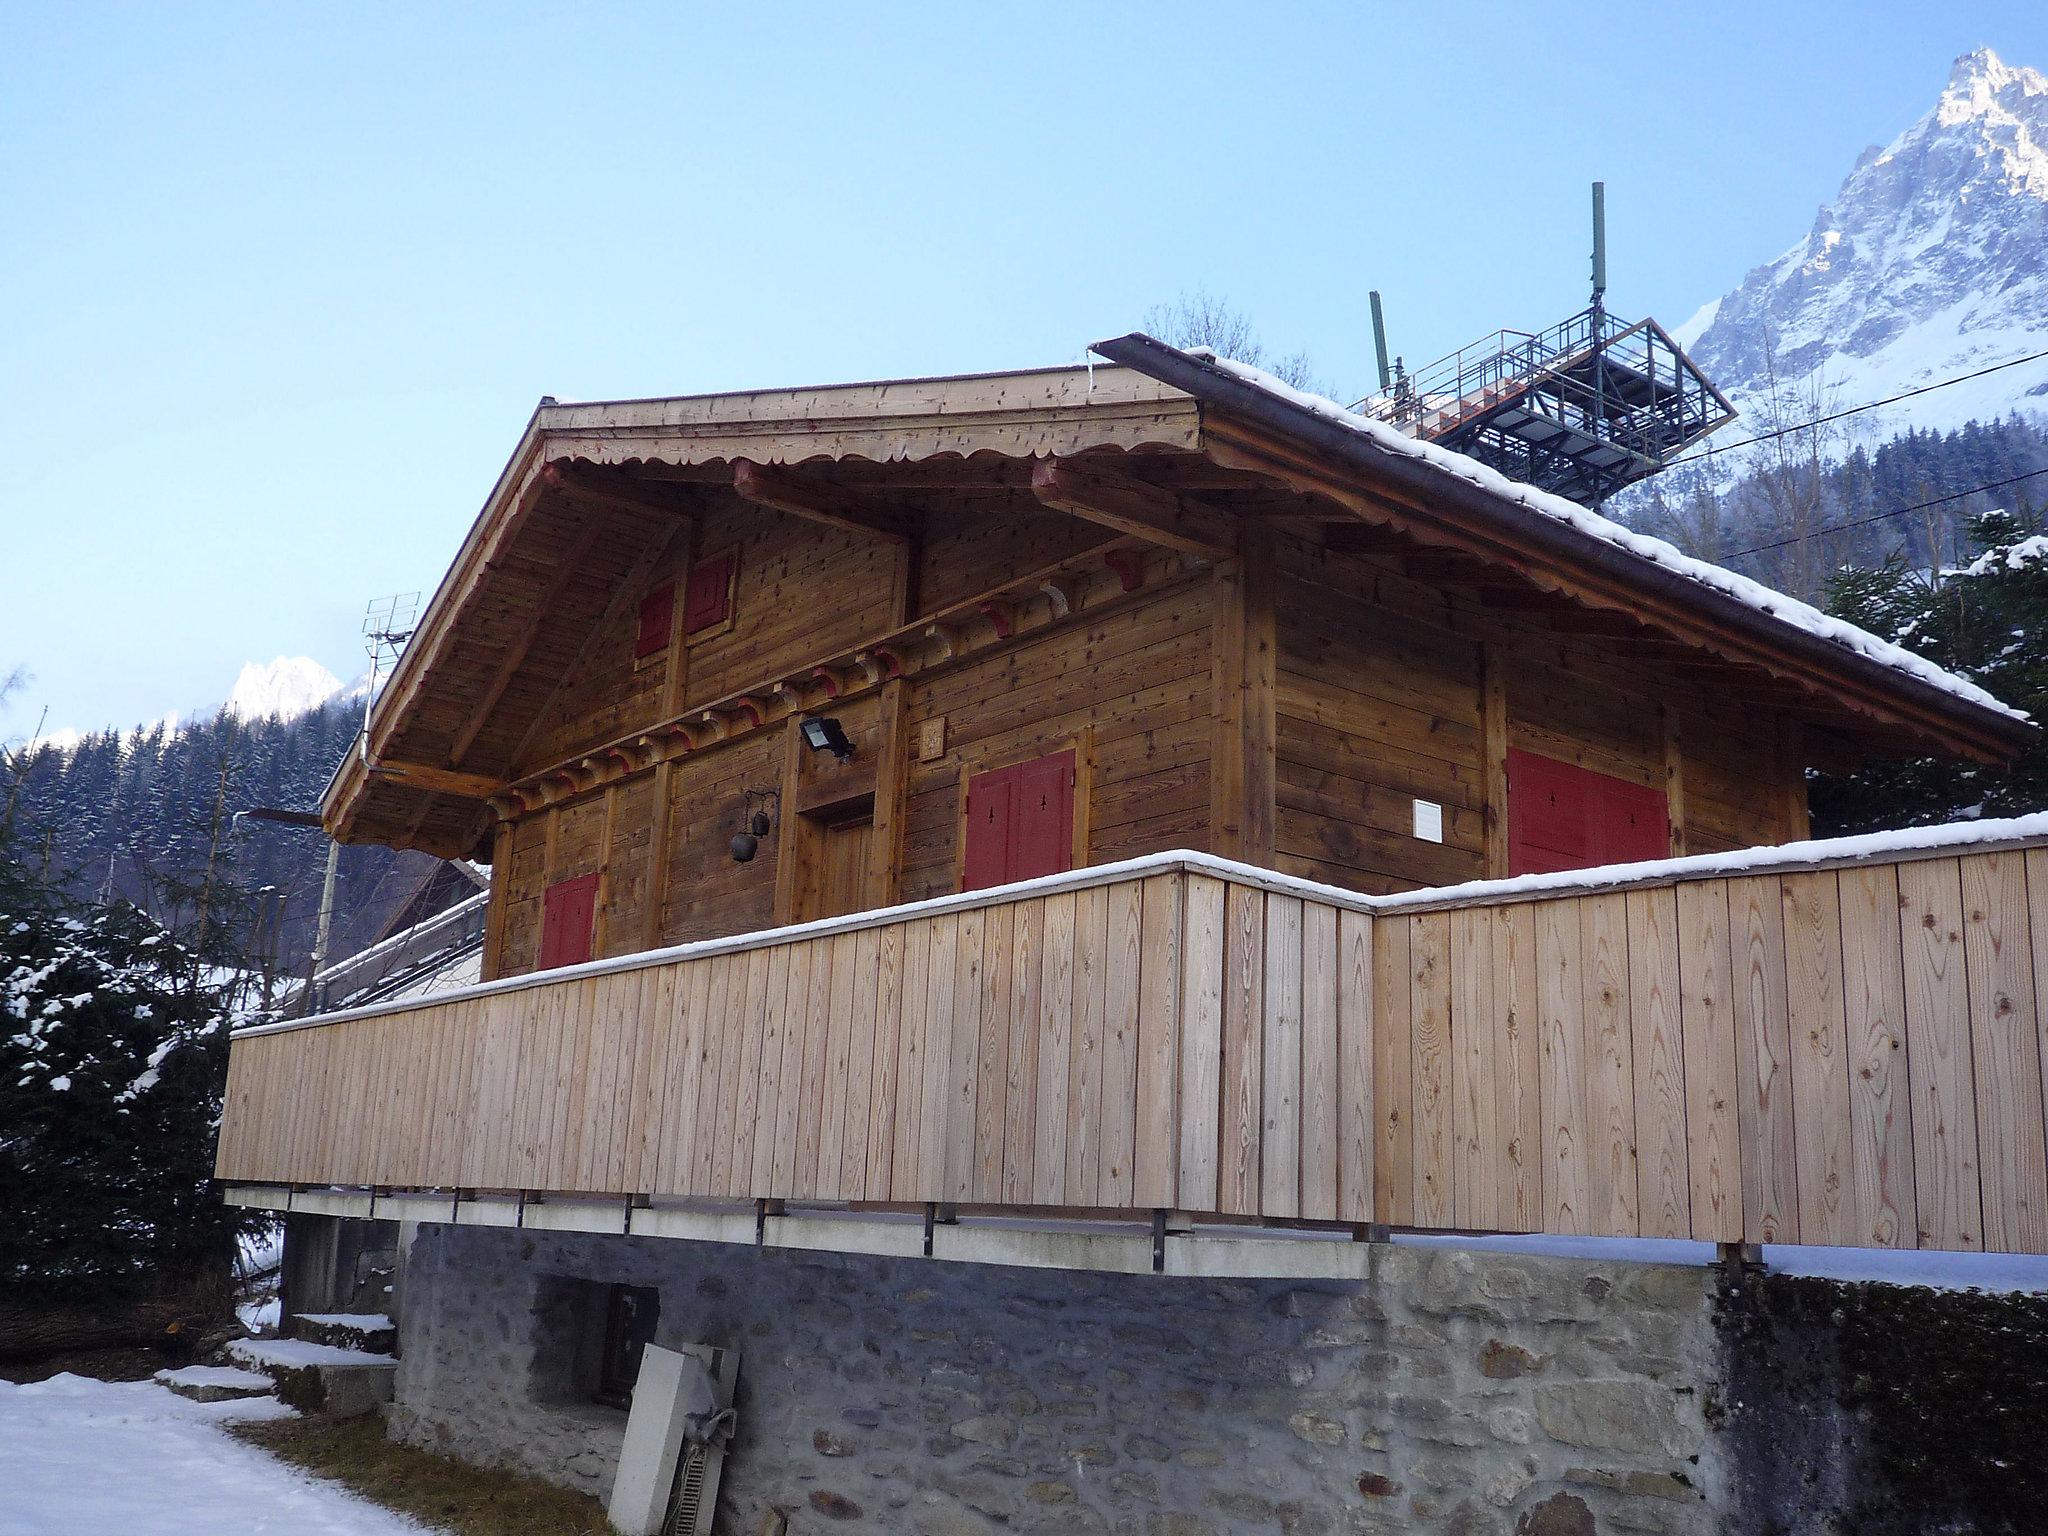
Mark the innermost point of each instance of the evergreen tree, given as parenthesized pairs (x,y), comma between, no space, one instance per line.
(1986,621)
(112,1066)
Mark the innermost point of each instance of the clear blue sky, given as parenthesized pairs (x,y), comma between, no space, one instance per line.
(283,282)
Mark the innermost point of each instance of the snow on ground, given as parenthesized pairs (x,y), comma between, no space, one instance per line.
(128,1456)
(258,1315)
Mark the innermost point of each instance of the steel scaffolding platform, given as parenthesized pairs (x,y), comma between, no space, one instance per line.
(1584,408)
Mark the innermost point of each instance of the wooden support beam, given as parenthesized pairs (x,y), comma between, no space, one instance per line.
(615,486)
(799,495)
(1133,507)
(440,781)
(629,591)
(515,653)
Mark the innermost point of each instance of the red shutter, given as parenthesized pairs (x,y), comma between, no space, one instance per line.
(1562,816)
(1042,835)
(991,812)
(657,613)
(568,922)
(709,598)
(1020,822)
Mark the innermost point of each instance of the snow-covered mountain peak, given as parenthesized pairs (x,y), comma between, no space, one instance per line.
(1929,262)
(286,687)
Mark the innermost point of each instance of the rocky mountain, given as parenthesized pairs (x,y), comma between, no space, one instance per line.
(1931,261)
(286,687)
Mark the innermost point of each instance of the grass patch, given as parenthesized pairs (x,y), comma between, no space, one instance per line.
(434,1490)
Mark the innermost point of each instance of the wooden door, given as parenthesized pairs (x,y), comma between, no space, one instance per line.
(839,855)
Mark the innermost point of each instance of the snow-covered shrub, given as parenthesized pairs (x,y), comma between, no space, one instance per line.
(112,1061)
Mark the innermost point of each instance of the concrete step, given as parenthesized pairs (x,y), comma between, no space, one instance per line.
(371,1332)
(320,1378)
(216,1383)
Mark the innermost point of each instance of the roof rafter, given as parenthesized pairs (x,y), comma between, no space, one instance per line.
(783,490)
(1135,507)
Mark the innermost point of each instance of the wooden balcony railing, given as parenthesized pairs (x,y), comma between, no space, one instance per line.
(1817,1046)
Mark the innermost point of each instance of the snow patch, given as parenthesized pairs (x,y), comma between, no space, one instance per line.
(84,1455)
(297,1354)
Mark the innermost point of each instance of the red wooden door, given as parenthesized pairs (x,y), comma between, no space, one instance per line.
(1562,816)
(568,924)
(1020,822)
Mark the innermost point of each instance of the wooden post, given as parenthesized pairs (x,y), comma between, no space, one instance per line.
(1674,776)
(1245,673)
(1493,739)
(489,968)
(1798,819)
(885,864)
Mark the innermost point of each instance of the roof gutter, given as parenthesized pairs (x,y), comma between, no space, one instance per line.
(1998,735)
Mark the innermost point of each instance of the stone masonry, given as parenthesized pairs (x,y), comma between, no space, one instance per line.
(1455,1391)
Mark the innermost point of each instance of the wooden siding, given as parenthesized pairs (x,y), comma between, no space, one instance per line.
(1799,1055)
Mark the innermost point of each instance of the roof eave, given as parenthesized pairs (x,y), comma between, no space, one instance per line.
(1968,727)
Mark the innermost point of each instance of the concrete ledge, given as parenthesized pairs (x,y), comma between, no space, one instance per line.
(898,1238)
(332,1202)
(694,1226)
(413,1207)
(575,1216)
(257,1197)
(1267,1258)
(487,1213)
(1024,1248)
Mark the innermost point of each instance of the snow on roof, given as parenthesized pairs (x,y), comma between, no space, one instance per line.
(1752,594)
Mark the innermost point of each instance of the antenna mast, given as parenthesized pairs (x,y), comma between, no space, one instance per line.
(1379,342)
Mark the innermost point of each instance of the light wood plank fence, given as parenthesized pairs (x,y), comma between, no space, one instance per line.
(1846,1055)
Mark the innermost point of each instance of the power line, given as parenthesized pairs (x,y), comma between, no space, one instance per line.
(1878,517)
(1871,405)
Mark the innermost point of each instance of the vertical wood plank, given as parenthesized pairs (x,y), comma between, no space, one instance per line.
(1561,1011)
(1055,1034)
(1201,1057)
(1657,1043)
(1707,1020)
(838,1050)
(789,1072)
(1429,946)
(661,1032)
(1084,1061)
(936,1094)
(889,1017)
(1938,1056)
(1280,1060)
(992,1055)
(1475,1037)
(1820,1067)
(818,1088)
(1321,1070)
(1357,1071)
(711,1054)
(1244,951)
(1393,1077)
(1881,1204)
(1610,1068)
(2005,1051)
(1020,1085)
(910,1052)
(1124,978)
(860,1065)
(760,1177)
(1518,1069)
(962,1080)
(1763,1101)
(2037,924)
(1157,1125)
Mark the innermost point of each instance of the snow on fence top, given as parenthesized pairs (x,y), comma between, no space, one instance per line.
(1752,594)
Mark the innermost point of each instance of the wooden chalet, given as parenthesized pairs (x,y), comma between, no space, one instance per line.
(1032,767)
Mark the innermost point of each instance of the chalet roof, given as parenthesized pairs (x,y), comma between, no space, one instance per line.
(1514,501)
(594,490)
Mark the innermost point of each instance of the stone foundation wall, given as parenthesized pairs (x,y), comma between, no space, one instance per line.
(1454,1391)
